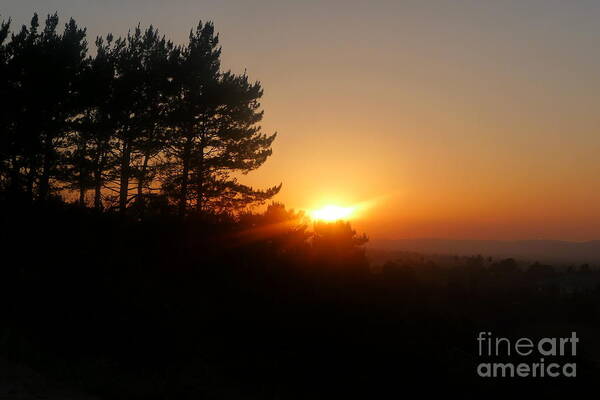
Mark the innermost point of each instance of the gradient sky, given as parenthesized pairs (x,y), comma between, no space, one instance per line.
(451,119)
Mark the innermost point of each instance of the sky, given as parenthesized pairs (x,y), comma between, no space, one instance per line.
(441,119)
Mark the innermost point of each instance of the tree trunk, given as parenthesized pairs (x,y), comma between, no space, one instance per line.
(141,177)
(98,190)
(183,194)
(200,183)
(82,191)
(141,180)
(98,181)
(82,174)
(44,183)
(124,178)
(200,196)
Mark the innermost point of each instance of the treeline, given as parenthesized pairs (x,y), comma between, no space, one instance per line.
(141,122)
(486,274)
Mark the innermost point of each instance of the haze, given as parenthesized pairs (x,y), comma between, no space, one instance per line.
(451,119)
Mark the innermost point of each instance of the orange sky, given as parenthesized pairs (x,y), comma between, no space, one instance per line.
(451,119)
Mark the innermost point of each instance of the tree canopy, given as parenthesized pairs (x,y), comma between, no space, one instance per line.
(142,121)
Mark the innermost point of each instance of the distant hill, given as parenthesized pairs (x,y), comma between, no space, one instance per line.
(532,250)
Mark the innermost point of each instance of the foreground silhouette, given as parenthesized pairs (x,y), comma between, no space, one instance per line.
(259,306)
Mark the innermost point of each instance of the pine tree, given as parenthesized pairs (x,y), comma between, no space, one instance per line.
(89,158)
(43,70)
(137,100)
(215,133)
(20,135)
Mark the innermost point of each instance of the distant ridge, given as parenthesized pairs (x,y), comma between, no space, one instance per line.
(533,250)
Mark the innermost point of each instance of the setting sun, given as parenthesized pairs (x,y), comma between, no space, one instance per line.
(332,213)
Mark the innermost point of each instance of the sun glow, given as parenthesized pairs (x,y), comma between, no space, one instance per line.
(332,213)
